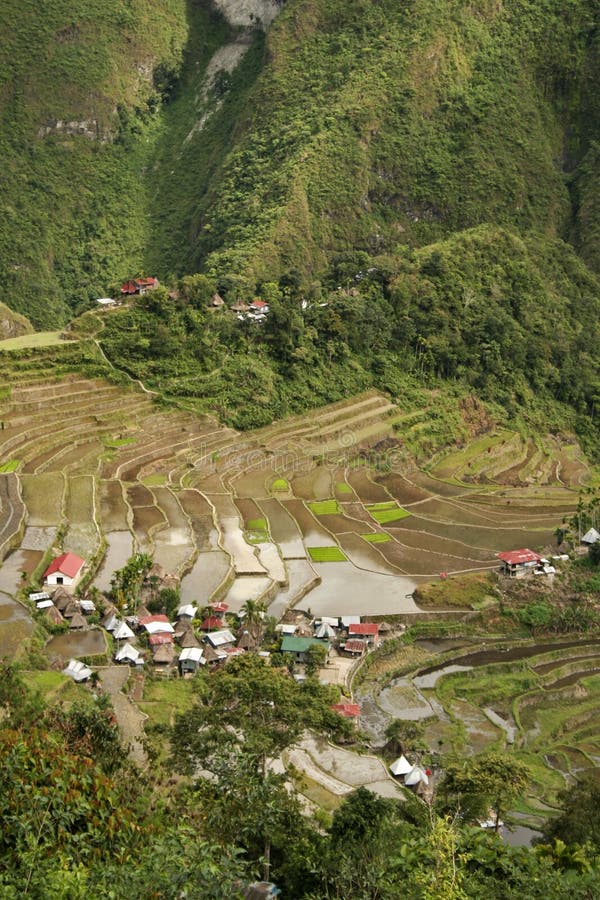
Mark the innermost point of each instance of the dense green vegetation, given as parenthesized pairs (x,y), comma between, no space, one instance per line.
(400,183)
(79,820)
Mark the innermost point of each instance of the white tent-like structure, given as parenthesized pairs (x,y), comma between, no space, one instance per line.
(416,775)
(127,653)
(122,632)
(590,537)
(401,766)
(159,628)
(188,610)
(77,670)
(325,631)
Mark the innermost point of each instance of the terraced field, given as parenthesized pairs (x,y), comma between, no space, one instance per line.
(324,509)
(540,698)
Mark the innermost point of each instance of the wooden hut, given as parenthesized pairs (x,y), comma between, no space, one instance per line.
(77,622)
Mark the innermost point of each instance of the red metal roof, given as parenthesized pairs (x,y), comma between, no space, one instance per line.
(128,287)
(220,607)
(355,646)
(258,304)
(519,557)
(159,617)
(163,638)
(364,628)
(350,710)
(145,282)
(68,564)
(210,623)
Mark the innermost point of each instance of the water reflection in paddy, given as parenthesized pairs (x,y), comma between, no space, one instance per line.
(84,643)
(119,550)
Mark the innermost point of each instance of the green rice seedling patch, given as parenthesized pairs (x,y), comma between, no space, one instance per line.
(115,443)
(343,488)
(377,537)
(326,554)
(280,484)
(11,466)
(324,507)
(383,513)
(257,532)
(37,339)
(156,480)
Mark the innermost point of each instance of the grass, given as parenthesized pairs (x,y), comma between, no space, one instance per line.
(11,466)
(280,484)
(460,591)
(324,507)
(156,480)
(326,554)
(166,698)
(378,537)
(38,339)
(387,512)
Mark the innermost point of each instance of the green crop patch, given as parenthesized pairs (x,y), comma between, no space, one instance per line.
(343,488)
(379,537)
(384,513)
(257,525)
(326,554)
(280,484)
(11,466)
(324,507)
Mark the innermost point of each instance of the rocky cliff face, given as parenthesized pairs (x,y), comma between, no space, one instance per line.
(12,324)
(248,13)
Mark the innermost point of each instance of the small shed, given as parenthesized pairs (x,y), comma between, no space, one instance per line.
(348,711)
(87,607)
(44,604)
(217,301)
(110,622)
(190,658)
(70,610)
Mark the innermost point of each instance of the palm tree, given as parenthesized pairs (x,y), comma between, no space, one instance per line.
(253,612)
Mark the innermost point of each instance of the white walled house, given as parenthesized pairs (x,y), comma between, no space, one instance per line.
(65,569)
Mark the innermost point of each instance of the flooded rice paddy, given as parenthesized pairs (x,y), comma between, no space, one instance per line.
(83,643)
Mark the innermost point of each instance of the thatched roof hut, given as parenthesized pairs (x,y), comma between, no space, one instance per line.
(189,639)
(70,610)
(61,598)
(77,622)
(54,616)
(164,655)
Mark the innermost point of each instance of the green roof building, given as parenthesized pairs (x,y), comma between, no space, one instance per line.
(299,645)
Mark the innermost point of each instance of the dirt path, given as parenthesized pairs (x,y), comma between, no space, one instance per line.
(129,717)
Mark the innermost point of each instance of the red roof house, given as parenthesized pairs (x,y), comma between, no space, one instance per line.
(155,640)
(220,608)
(518,563)
(258,304)
(349,710)
(65,569)
(212,623)
(138,286)
(147,620)
(355,646)
(368,631)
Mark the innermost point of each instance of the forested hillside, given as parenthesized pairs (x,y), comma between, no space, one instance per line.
(412,187)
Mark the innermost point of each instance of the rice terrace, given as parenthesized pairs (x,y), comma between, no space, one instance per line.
(328,509)
(328,513)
